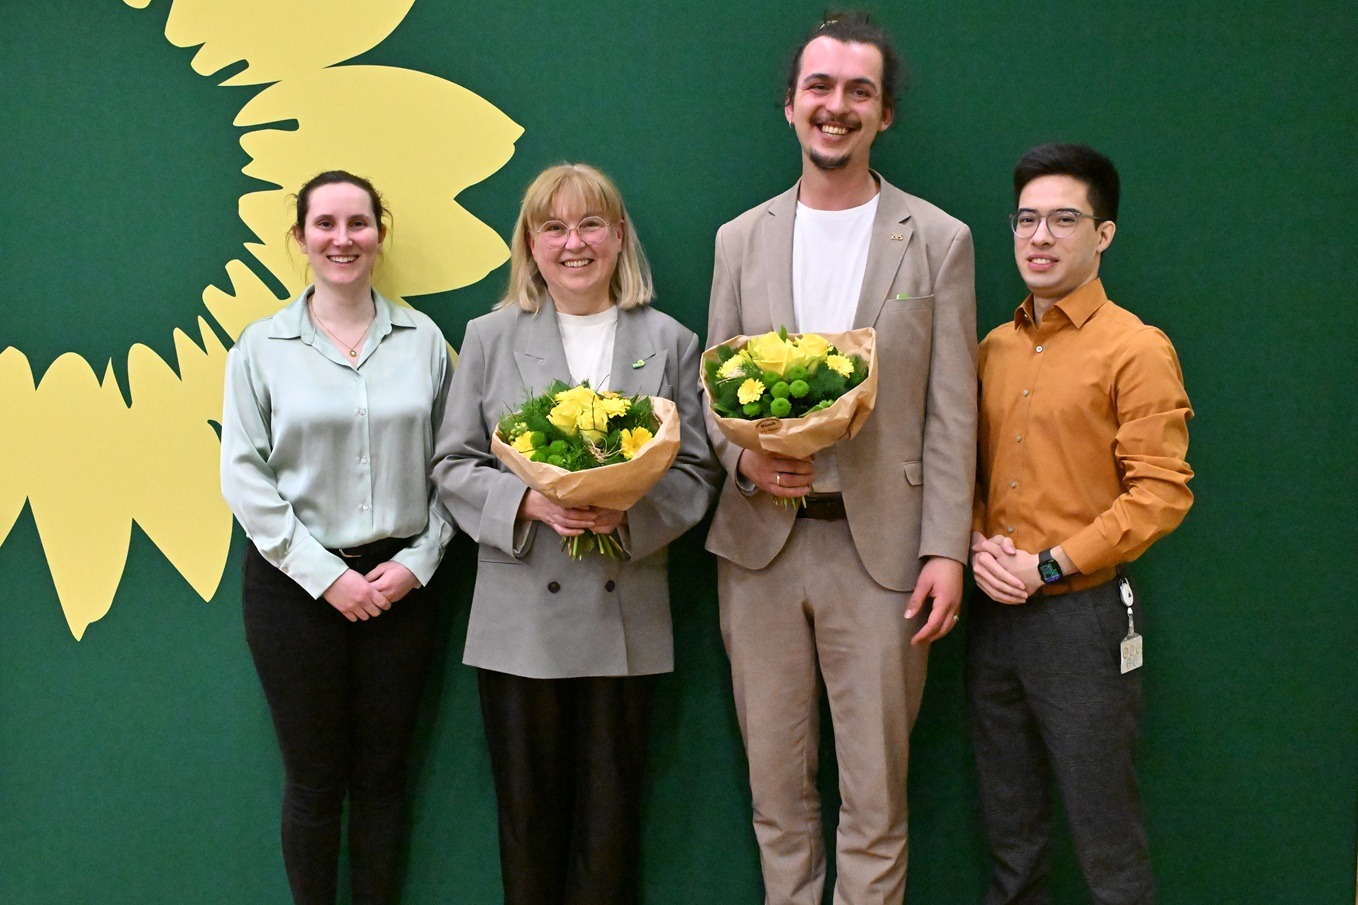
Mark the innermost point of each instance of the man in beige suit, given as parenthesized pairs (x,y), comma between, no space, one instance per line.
(854,586)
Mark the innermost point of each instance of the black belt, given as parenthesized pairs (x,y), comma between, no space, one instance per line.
(828,507)
(383,549)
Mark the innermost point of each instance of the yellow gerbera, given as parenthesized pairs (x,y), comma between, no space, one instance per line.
(524,444)
(633,441)
(731,367)
(612,405)
(839,364)
(750,391)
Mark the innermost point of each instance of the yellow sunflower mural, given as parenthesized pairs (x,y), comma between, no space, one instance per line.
(89,460)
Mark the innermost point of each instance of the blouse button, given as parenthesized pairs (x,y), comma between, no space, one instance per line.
(610,585)
(553,586)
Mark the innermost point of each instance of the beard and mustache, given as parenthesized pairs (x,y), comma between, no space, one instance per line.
(827,162)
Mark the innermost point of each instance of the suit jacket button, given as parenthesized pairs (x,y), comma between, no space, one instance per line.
(610,585)
(553,586)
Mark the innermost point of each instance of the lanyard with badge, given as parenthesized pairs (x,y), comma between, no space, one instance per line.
(1131,645)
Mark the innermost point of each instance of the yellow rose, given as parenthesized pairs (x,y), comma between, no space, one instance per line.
(813,346)
(579,396)
(750,391)
(771,352)
(524,443)
(633,441)
(564,416)
(839,364)
(592,422)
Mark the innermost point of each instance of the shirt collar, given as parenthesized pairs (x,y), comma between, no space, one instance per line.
(294,323)
(1078,307)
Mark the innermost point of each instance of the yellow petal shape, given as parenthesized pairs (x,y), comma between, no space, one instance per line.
(180,506)
(16,392)
(279,38)
(420,139)
(80,506)
(248,301)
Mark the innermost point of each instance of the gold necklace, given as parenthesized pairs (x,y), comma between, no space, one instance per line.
(353,348)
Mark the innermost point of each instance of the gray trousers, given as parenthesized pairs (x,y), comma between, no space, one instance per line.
(1048,704)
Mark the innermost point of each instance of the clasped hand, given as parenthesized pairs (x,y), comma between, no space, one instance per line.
(1005,573)
(570,522)
(361,597)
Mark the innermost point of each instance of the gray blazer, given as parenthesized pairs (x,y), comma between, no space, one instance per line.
(536,612)
(908,477)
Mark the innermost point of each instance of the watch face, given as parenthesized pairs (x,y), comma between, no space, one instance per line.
(1049,570)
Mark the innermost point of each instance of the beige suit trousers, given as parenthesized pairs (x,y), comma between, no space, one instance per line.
(813,613)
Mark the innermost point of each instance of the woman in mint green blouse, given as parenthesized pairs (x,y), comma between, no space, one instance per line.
(331,408)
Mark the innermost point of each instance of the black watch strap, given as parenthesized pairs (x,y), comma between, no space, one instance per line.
(1048,569)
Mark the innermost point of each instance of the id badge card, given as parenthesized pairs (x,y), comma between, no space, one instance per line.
(1132,653)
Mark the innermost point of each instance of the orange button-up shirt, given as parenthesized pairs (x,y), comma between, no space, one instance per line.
(1083,434)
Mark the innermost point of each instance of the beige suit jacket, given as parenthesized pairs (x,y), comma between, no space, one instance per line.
(908,477)
(536,612)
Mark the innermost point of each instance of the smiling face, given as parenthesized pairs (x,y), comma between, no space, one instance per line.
(578,275)
(836,103)
(342,236)
(1054,268)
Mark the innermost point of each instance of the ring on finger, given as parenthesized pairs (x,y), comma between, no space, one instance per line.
(778,478)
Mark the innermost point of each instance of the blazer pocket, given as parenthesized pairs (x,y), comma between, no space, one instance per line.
(910,303)
(914,473)
(487,553)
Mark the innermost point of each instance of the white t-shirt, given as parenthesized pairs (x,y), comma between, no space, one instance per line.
(829,259)
(588,340)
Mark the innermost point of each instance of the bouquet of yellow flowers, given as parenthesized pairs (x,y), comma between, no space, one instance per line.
(792,394)
(579,447)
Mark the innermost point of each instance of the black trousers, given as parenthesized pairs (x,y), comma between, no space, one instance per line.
(1048,704)
(344,697)
(568,758)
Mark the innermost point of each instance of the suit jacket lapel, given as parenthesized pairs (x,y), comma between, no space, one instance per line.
(633,344)
(782,214)
(892,232)
(540,355)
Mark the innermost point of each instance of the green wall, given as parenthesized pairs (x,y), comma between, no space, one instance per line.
(138,765)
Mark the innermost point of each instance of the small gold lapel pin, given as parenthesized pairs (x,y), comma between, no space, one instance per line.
(897,237)
(639,363)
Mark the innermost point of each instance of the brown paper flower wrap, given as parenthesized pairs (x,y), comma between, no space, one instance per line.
(617,486)
(799,438)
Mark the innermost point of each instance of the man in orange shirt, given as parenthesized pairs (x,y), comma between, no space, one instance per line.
(1082,444)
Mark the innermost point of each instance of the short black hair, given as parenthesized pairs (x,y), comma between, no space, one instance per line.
(1079,162)
(854,27)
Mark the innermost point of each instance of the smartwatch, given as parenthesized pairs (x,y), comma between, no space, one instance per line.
(1048,569)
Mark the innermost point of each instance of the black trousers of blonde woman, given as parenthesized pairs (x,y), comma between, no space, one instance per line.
(568,757)
(344,698)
